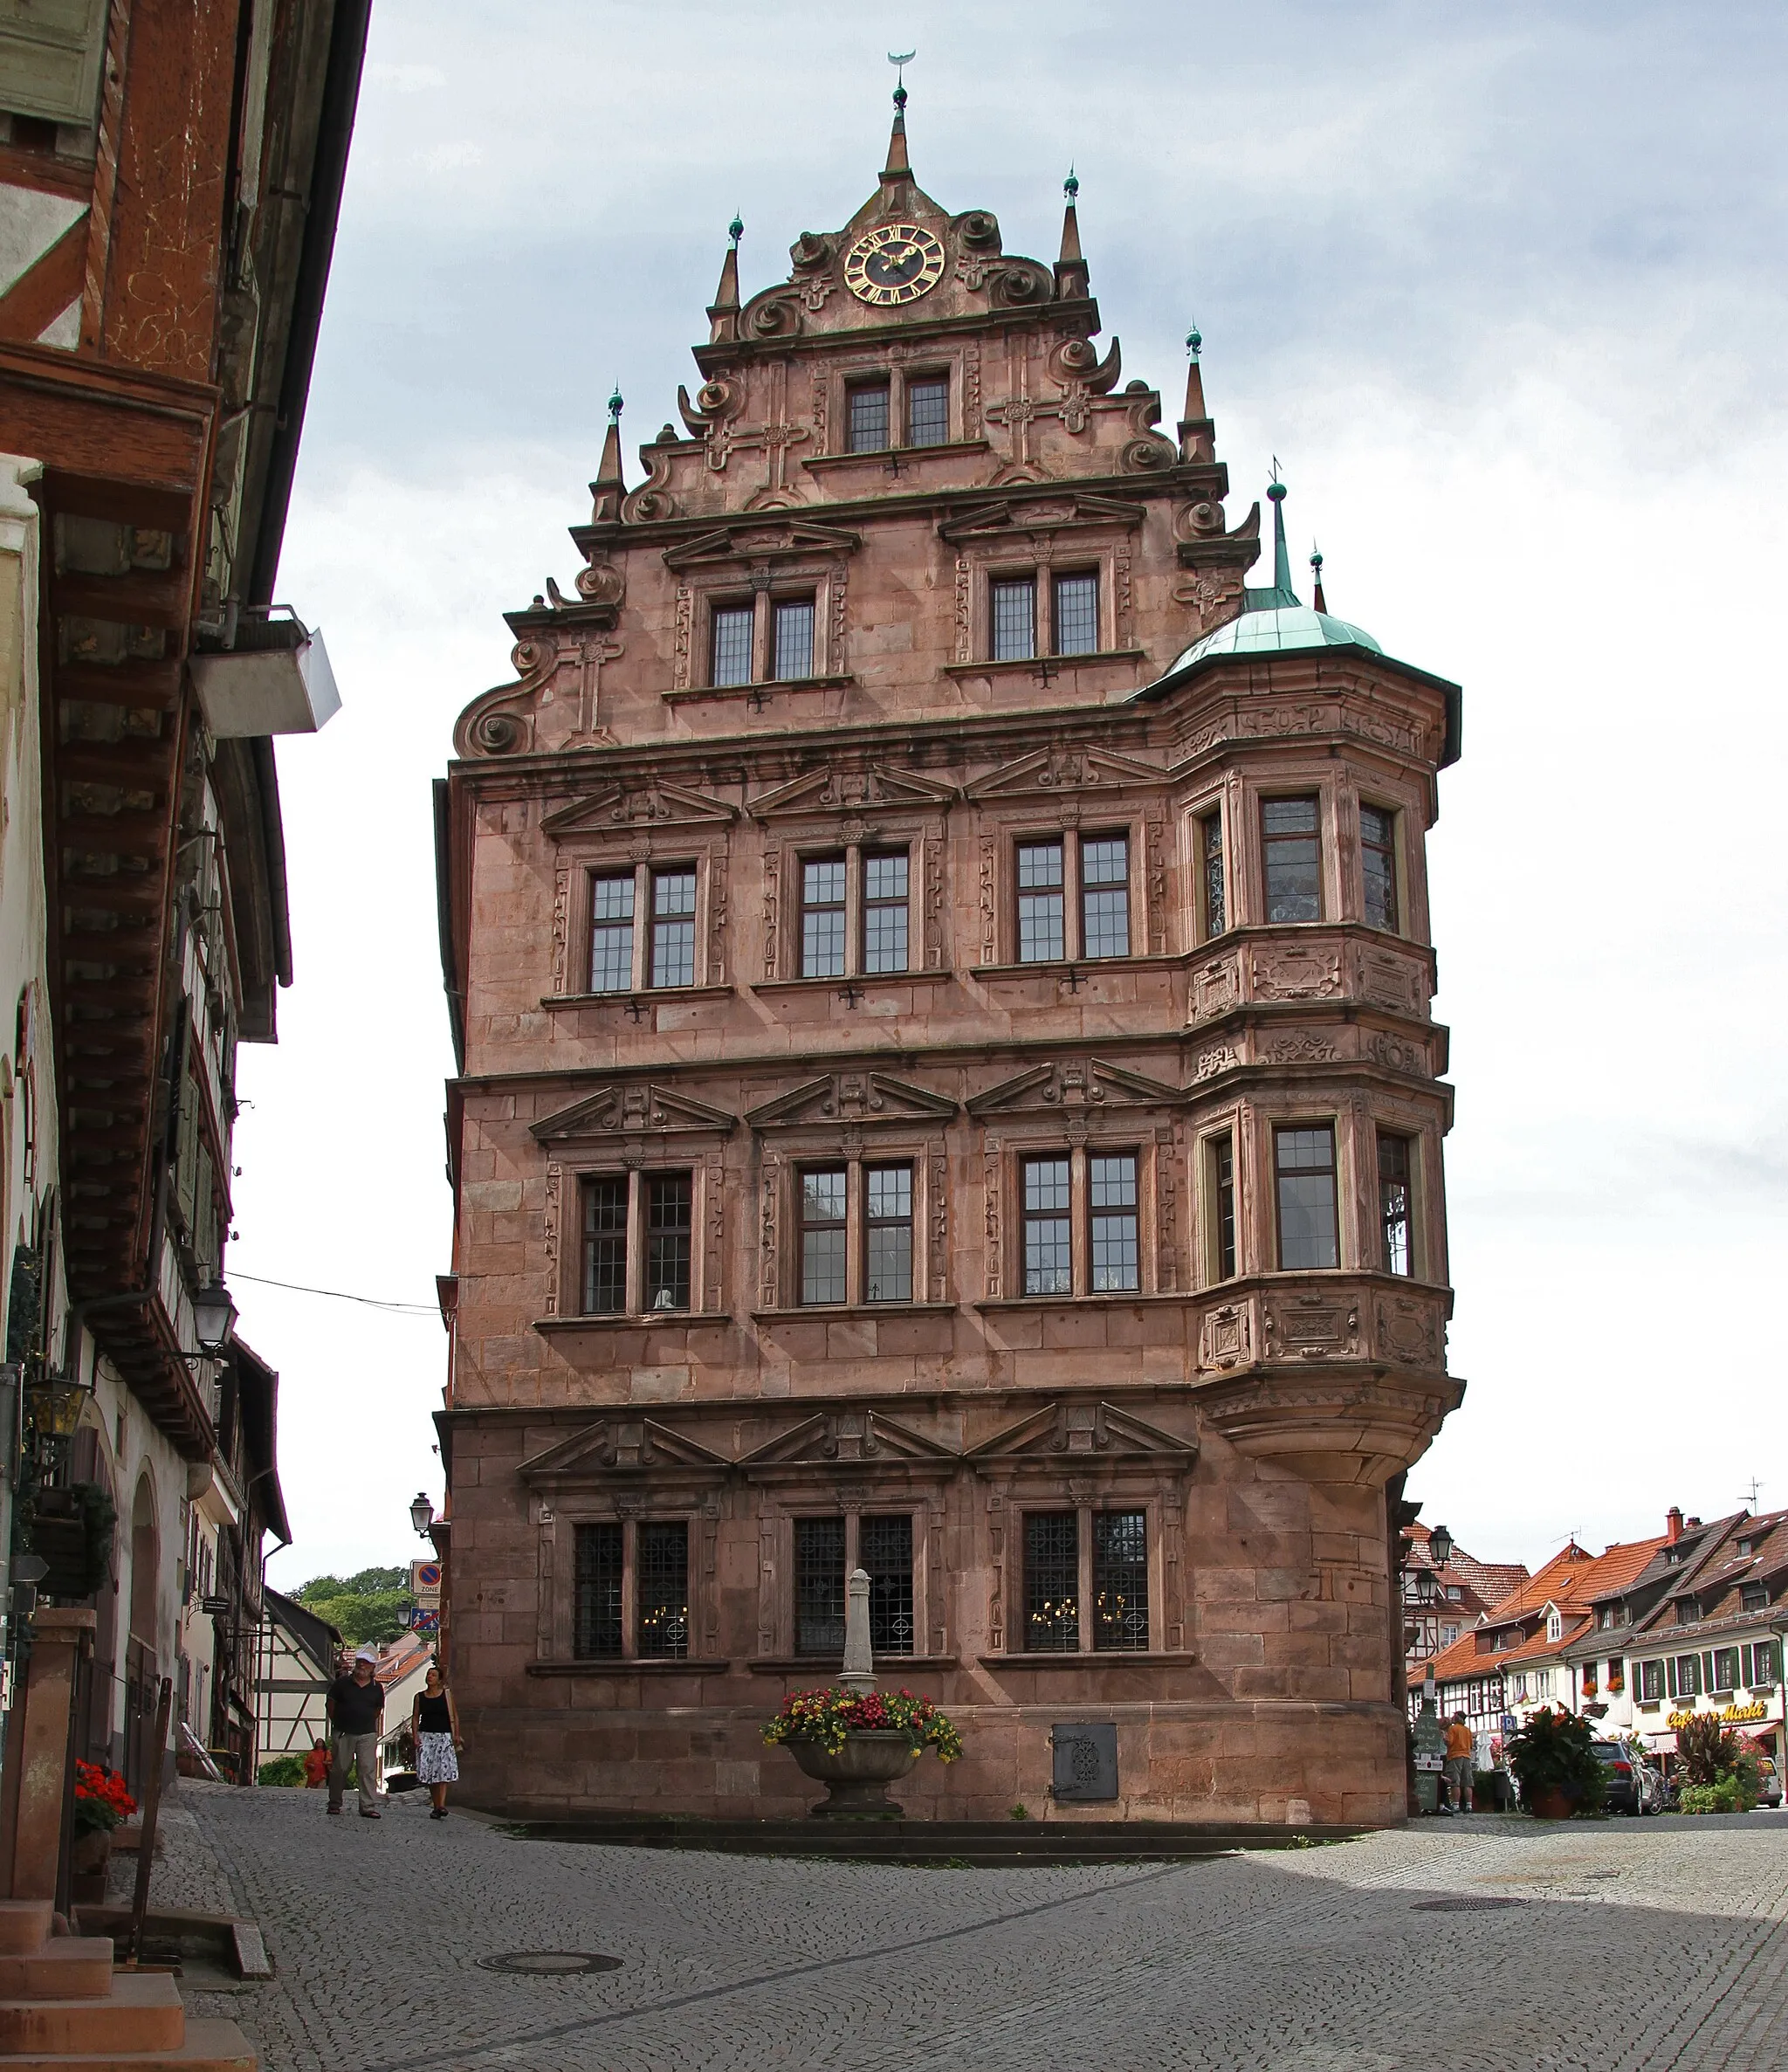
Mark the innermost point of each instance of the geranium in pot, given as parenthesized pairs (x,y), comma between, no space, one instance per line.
(1553,1757)
(101,1804)
(858,1742)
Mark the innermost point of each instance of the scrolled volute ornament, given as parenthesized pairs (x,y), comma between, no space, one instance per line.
(601,582)
(780,319)
(1078,359)
(1145,456)
(810,253)
(1017,287)
(980,229)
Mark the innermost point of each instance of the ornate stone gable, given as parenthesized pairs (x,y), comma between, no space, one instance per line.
(851,1097)
(633,1108)
(1074,1428)
(748,545)
(849,1439)
(1073,1086)
(625,808)
(620,1444)
(1060,770)
(838,788)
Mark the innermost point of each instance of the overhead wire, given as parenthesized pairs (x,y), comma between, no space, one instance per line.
(371,1302)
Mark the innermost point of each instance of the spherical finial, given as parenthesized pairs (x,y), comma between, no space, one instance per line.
(1194,341)
(1275,491)
(735,230)
(1316,557)
(1070,187)
(900,99)
(615,405)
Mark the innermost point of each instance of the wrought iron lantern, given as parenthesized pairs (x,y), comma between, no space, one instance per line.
(421,1515)
(1441,1545)
(213,1319)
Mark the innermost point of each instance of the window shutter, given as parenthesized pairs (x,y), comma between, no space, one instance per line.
(1708,1680)
(1670,1666)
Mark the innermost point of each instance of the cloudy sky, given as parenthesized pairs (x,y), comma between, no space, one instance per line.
(1503,291)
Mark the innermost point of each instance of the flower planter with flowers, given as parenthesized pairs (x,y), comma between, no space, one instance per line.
(101,1803)
(857,1743)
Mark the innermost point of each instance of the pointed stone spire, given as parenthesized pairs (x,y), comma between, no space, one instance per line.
(723,311)
(1315,570)
(610,486)
(1196,433)
(1071,267)
(899,167)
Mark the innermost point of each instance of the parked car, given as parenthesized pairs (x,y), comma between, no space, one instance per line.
(1622,1790)
(1769,1781)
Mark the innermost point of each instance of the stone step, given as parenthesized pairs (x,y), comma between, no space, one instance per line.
(210,2047)
(142,2013)
(23,1924)
(67,1967)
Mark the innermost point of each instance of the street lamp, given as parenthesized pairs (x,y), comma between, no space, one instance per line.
(213,1318)
(421,1515)
(1441,1545)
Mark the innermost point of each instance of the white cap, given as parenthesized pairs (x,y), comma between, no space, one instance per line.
(367,1654)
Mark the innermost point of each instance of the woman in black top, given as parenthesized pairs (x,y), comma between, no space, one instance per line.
(435,1721)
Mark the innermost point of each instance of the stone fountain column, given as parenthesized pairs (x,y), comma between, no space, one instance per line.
(859,1672)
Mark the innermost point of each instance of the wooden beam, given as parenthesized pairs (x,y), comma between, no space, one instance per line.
(152,686)
(139,599)
(47,285)
(143,504)
(44,174)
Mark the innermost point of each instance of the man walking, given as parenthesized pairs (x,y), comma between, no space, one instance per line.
(356,1703)
(1461,1762)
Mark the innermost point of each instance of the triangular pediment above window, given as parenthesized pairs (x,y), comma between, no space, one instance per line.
(1056,770)
(620,1444)
(1039,514)
(846,1439)
(633,1109)
(625,809)
(855,1098)
(853,791)
(1096,1431)
(1078,1086)
(762,541)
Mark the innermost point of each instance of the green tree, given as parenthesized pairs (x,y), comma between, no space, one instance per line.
(366,1609)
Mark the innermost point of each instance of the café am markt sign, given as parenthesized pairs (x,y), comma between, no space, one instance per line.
(1733,1715)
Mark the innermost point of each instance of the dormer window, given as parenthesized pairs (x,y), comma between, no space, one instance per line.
(1555,1625)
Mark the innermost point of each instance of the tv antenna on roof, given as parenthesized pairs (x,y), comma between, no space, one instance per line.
(1755,1486)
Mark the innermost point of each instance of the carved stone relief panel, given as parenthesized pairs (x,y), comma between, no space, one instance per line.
(769,1276)
(1291,972)
(1214,988)
(555,1192)
(773,907)
(681,664)
(561,924)
(1155,883)
(992,1163)
(937,1206)
(767,1573)
(1226,1340)
(964,621)
(714,1207)
(933,878)
(1397,1056)
(990,898)
(1408,1330)
(1301,1046)
(1311,1326)
(1213,1059)
(1396,982)
(937,1574)
(997,1524)
(1168,1150)
(718,861)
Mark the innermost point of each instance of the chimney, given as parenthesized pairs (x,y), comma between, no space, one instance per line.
(1673,1526)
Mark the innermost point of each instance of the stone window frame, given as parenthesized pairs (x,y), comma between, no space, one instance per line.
(1212,1129)
(697,1512)
(808,1502)
(865,369)
(1038,560)
(856,842)
(738,582)
(1137,1132)
(1244,805)
(682,1151)
(1020,830)
(590,854)
(790,1148)
(1127,1489)
(1395,810)
(1194,814)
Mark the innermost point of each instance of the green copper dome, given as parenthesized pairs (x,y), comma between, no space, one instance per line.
(1277,630)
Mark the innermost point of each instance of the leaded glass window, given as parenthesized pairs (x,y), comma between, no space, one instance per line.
(1216,901)
(1104,895)
(867,418)
(1394,1216)
(1378,854)
(670,1206)
(1041,920)
(1076,615)
(1120,1581)
(1051,1582)
(792,639)
(884,1549)
(1292,856)
(604,1247)
(673,928)
(928,411)
(1305,1162)
(611,934)
(884,920)
(819,1587)
(823,1225)
(662,1585)
(1013,602)
(822,918)
(888,1202)
(597,1591)
(1048,1251)
(733,627)
(1223,1203)
(1115,1252)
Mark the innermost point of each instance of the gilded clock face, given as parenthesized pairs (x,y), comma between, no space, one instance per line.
(896,262)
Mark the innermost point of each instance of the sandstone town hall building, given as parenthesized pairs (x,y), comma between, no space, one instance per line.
(941,976)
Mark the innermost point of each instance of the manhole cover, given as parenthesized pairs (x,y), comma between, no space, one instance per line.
(1461,1905)
(550,1963)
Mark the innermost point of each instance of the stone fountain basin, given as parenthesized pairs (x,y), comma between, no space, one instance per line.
(859,1773)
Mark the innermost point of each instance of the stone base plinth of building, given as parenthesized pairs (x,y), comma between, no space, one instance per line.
(1277,1763)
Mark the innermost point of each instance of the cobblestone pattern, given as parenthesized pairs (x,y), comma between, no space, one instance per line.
(1637,1945)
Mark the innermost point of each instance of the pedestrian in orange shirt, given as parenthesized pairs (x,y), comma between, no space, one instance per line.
(316,1766)
(1461,1762)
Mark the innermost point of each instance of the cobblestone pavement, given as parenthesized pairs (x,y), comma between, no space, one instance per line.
(1611,1946)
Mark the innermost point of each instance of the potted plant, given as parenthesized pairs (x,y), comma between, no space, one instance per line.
(1554,1760)
(101,1803)
(858,1743)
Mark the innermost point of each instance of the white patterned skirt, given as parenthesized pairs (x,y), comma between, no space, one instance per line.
(435,1760)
